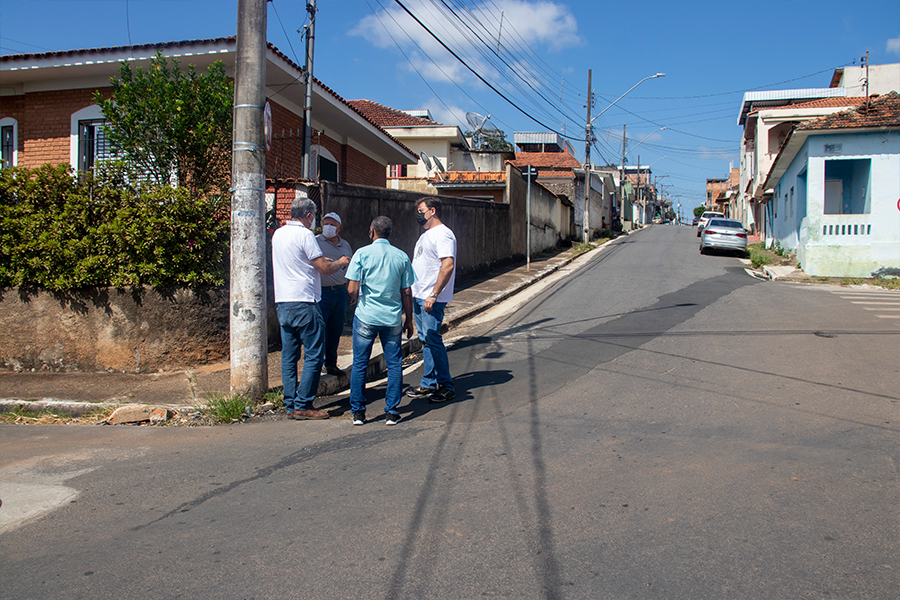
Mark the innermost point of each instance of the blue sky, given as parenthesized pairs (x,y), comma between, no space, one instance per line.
(711,52)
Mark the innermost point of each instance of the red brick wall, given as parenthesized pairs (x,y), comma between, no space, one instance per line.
(359,169)
(45,123)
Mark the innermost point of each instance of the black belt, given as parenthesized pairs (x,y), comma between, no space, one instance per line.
(334,287)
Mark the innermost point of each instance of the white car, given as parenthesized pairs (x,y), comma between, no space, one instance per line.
(705,217)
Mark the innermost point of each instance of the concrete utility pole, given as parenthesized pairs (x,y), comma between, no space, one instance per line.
(587,167)
(249,350)
(307,106)
(622,181)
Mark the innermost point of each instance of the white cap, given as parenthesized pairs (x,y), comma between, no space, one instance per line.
(333,215)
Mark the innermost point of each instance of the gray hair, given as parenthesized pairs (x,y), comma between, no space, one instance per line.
(382,226)
(301,207)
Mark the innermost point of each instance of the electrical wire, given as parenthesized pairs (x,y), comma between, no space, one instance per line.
(480,77)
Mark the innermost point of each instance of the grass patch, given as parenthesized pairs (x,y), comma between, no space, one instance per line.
(888,284)
(579,249)
(226,408)
(759,256)
(22,415)
(276,397)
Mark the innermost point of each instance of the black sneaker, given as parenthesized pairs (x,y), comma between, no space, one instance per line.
(392,419)
(420,392)
(359,418)
(442,394)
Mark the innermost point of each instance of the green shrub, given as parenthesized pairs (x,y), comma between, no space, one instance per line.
(225,408)
(63,233)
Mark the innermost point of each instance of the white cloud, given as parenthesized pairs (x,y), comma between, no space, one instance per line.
(525,25)
(893,45)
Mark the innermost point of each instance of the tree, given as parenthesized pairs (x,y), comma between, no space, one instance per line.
(168,123)
(490,140)
(699,210)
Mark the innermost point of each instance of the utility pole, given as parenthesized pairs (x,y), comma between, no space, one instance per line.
(249,349)
(587,166)
(622,181)
(307,106)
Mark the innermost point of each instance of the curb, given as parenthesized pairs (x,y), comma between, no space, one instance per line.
(328,384)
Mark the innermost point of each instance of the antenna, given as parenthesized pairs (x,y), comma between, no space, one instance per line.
(440,167)
(426,160)
(481,124)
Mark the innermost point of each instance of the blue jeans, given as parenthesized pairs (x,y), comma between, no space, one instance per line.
(334,307)
(391,339)
(301,325)
(436,363)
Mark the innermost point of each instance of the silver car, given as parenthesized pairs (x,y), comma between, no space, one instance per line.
(705,217)
(724,234)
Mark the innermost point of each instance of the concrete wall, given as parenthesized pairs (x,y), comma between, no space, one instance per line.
(104,329)
(552,219)
(482,229)
(842,245)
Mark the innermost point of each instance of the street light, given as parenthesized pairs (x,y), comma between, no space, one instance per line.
(587,149)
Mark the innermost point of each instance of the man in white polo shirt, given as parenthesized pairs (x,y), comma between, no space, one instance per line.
(297,264)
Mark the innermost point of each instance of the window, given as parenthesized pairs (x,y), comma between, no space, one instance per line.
(8,143)
(398,170)
(847,187)
(328,169)
(92,145)
(792,201)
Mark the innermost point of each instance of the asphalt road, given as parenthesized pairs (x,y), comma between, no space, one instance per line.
(652,423)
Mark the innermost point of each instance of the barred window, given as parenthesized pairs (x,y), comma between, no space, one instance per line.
(93,147)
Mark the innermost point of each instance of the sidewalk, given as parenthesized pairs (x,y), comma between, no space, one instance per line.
(70,392)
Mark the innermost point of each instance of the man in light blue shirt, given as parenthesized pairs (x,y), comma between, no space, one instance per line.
(380,277)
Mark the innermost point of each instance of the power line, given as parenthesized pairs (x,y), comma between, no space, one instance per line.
(478,75)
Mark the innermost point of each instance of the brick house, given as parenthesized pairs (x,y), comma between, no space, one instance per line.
(47,114)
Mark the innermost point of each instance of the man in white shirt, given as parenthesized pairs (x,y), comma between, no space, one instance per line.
(434,263)
(297,264)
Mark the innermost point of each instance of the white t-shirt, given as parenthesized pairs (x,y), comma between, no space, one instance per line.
(433,245)
(294,247)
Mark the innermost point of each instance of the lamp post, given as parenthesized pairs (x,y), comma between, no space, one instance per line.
(589,136)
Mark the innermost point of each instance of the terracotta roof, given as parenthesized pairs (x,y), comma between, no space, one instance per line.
(473,176)
(883,111)
(552,160)
(385,116)
(817,103)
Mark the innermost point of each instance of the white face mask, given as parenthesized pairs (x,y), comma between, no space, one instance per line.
(329,231)
(313,224)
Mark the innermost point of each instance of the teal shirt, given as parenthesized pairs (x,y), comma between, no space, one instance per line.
(382,271)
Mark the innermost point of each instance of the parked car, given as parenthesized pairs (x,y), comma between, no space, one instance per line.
(696,220)
(657,220)
(704,219)
(724,234)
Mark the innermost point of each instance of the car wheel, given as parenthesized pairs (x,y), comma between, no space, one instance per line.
(702,250)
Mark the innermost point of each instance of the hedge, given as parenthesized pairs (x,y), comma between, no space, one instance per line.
(62,233)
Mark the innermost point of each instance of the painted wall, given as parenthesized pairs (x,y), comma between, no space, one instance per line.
(842,245)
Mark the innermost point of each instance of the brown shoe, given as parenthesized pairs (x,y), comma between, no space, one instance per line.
(308,415)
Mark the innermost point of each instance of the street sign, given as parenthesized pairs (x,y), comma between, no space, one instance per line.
(529,172)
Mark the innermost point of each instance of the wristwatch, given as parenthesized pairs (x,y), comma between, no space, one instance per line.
(432,295)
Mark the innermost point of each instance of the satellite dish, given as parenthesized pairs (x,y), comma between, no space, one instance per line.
(481,124)
(426,160)
(440,167)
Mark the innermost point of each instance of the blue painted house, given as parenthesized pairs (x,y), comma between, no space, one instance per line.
(835,192)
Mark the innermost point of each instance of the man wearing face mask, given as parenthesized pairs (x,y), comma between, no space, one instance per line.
(334,289)
(434,263)
(297,265)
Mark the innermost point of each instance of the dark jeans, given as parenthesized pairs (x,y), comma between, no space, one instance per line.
(301,326)
(334,307)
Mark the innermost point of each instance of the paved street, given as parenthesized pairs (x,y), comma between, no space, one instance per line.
(647,423)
